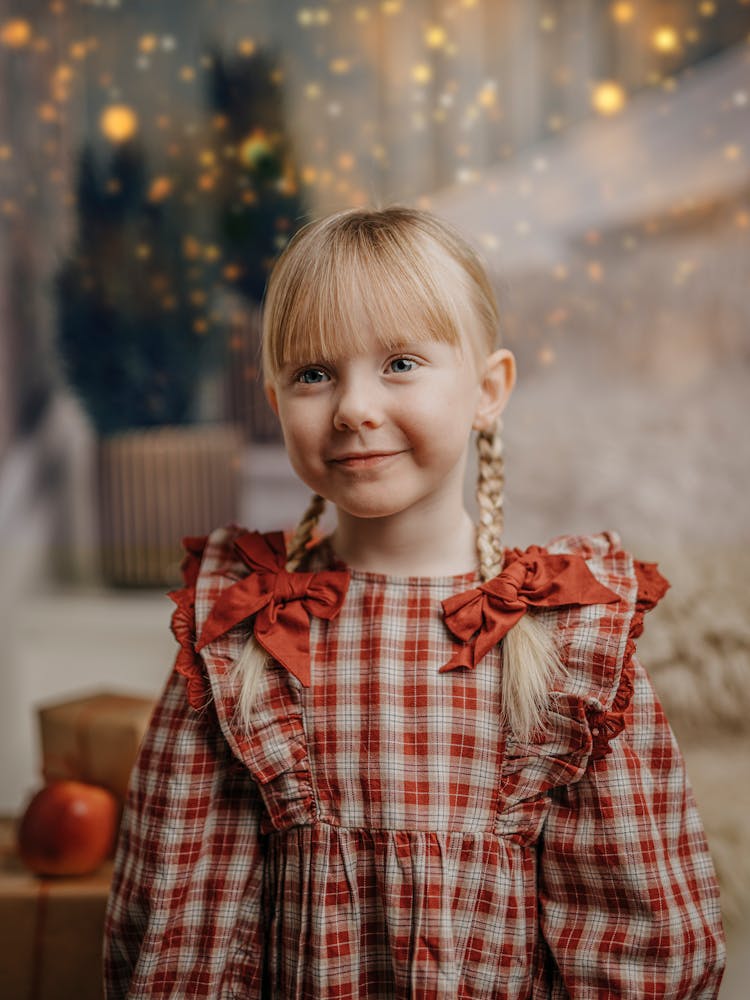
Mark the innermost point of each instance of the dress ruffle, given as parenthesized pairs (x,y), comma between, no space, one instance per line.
(188,662)
(606,725)
(555,757)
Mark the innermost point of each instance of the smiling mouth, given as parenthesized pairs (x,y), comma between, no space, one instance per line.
(363,460)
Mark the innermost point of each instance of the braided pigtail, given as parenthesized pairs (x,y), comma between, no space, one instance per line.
(253,659)
(531,661)
(304,532)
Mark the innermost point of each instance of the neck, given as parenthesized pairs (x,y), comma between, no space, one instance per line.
(437,543)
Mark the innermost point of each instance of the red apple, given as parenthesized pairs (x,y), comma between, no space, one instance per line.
(68,828)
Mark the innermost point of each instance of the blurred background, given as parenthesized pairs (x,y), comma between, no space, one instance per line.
(154,160)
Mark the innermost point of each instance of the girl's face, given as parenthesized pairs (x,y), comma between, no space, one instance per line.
(384,432)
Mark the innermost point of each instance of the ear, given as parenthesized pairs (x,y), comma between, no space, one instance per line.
(271,397)
(497,379)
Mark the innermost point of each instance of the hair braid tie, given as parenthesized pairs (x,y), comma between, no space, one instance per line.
(303,532)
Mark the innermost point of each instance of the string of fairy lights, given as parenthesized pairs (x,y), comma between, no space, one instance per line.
(191,153)
(120,121)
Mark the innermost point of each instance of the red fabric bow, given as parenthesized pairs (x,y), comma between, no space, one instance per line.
(480,617)
(282,602)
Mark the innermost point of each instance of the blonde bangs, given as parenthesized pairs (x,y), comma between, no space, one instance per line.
(341,279)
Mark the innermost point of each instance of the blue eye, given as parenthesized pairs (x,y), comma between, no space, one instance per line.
(401,365)
(311,376)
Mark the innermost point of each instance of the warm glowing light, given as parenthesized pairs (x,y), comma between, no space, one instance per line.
(346,161)
(309,175)
(207,158)
(118,122)
(732,152)
(622,13)
(391,6)
(742,220)
(487,96)
(16,33)
(340,66)
(206,182)
(548,22)
(421,73)
(361,14)
(254,147)
(435,36)
(665,39)
(286,184)
(312,91)
(191,248)
(200,326)
(546,356)
(608,97)
(707,9)
(187,74)
(5,152)
(78,50)
(211,253)
(246,46)
(148,43)
(47,112)
(595,271)
(143,251)
(160,188)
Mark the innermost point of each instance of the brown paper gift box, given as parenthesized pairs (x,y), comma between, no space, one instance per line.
(50,931)
(94,739)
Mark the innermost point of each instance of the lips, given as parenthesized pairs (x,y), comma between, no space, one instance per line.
(362,459)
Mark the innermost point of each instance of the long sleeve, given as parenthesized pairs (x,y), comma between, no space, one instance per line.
(184,914)
(629,904)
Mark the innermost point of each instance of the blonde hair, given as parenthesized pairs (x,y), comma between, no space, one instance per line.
(398,268)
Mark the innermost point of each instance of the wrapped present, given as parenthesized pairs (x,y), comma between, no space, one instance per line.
(50,930)
(94,739)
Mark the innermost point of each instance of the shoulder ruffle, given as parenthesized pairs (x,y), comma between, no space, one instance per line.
(187,662)
(611,640)
(652,586)
(588,705)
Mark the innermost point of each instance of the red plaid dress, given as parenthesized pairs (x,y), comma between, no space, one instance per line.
(377,834)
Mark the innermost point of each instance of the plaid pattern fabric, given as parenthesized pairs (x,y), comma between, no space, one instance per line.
(377,834)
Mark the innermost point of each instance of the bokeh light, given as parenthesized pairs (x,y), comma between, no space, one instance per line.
(119,123)
(608,97)
(15,33)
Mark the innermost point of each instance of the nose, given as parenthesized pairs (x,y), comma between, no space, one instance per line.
(357,406)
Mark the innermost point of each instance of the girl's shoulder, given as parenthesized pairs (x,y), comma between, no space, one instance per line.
(638,583)
(598,642)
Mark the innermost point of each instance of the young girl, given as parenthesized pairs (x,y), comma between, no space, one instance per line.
(402,761)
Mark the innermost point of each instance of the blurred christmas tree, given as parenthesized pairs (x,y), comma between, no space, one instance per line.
(259,205)
(133,333)
(145,312)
